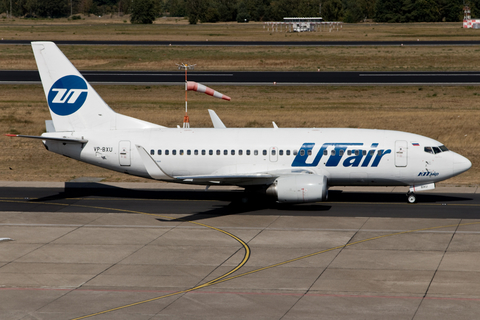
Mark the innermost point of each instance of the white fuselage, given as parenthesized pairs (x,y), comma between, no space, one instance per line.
(345,156)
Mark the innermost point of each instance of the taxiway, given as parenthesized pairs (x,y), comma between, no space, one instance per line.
(156,251)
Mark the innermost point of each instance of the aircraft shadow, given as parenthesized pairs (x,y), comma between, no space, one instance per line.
(342,204)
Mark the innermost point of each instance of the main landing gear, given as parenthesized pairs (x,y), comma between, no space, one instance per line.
(411,197)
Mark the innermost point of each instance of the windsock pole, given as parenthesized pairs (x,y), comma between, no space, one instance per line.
(185,66)
(186,121)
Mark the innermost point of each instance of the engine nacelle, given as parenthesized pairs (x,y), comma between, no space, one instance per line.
(299,188)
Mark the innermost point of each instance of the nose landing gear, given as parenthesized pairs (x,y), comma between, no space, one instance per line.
(411,197)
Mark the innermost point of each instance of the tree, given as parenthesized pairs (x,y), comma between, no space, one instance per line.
(420,11)
(353,12)
(243,15)
(143,11)
(388,11)
(195,10)
(176,8)
(451,10)
(332,10)
(53,8)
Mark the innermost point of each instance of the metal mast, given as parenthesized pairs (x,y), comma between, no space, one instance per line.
(185,66)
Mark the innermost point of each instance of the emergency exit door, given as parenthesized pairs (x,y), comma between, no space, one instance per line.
(124,153)
(401,153)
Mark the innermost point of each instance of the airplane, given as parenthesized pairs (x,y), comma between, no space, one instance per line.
(292,165)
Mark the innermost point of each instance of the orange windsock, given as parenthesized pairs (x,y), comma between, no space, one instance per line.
(195,86)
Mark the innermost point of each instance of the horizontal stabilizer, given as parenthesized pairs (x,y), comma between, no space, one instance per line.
(67,140)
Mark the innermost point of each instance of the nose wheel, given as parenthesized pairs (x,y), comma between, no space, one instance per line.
(411,197)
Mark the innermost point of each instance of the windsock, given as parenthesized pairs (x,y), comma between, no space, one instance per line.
(192,85)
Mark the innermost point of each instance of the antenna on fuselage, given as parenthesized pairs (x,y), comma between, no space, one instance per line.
(185,66)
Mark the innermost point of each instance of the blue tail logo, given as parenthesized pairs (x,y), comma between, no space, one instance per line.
(67,95)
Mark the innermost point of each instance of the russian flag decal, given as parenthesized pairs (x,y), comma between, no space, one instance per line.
(416,144)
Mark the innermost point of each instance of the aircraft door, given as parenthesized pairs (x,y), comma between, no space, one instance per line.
(124,153)
(273,154)
(401,153)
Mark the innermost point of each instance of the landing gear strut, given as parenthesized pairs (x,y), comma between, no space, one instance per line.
(411,197)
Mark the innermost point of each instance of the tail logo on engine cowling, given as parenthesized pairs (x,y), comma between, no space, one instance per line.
(67,95)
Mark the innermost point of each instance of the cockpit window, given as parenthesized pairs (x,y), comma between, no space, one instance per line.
(443,148)
(436,150)
(428,150)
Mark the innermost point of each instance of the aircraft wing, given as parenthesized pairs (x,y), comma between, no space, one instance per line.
(238,179)
(242,179)
(66,140)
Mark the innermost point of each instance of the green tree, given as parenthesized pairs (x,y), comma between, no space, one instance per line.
(420,11)
(353,12)
(195,10)
(332,10)
(451,10)
(227,9)
(243,15)
(176,8)
(143,11)
(53,8)
(388,11)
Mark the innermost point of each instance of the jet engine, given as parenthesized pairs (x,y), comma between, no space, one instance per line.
(299,188)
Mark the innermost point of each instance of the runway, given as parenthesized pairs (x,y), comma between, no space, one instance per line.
(151,252)
(256,43)
(259,78)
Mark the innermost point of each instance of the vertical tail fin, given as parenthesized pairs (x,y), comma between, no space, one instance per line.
(74,105)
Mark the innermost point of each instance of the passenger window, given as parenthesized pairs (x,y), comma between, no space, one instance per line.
(181,152)
(159,152)
(255,152)
(218,152)
(210,152)
(302,153)
(428,150)
(248,152)
(203,152)
(357,152)
(174,152)
(166,152)
(240,152)
(364,152)
(288,152)
(189,152)
(334,152)
(349,152)
(225,152)
(152,152)
(325,152)
(372,152)
(341,152)
(264,152)
(295,152)
(280,152)
(379,152)
(274,152)
(309,152)
(195,152)
(232,152)
(436,150)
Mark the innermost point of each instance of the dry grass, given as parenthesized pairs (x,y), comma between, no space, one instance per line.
(454,58)
(177,29)
(448,114)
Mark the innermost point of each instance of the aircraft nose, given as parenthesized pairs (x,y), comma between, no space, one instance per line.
(460,163)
